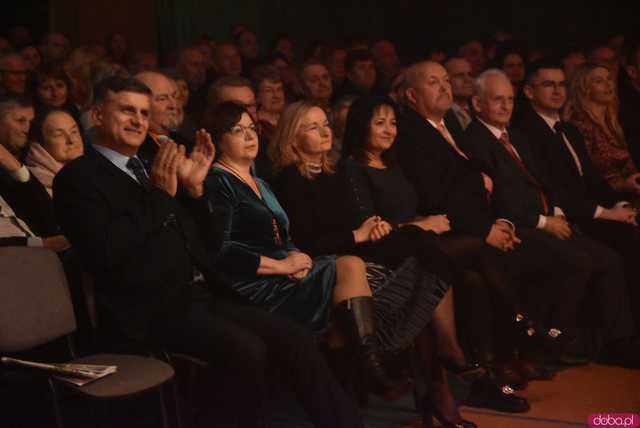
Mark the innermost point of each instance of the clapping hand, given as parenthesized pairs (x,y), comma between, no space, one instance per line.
(193,169)
(165,167)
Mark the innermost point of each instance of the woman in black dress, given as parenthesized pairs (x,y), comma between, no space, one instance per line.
(416,289)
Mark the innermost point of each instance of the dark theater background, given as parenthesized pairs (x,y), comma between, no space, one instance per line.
(414,25)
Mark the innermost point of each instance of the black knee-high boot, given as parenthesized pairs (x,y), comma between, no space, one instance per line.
(356,319)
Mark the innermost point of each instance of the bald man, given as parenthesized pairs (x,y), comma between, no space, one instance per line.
(165,115)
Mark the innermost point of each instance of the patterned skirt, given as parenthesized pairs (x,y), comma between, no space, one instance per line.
(404,302)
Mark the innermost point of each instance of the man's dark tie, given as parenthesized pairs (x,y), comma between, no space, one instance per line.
(136,166)
(506,142)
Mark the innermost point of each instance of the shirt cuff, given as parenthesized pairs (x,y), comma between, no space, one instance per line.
(22,175)
(558,211)
(542,222)
(35,242)
(623,204)
(599,211)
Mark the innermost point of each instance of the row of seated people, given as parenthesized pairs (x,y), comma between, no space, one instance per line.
(331,75)
(314,159)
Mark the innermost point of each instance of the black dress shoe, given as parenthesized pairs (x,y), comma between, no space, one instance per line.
(508,374)
(487,394)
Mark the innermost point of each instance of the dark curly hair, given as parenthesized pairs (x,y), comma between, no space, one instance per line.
(357,130)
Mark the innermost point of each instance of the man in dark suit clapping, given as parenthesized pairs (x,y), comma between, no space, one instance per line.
(153,279)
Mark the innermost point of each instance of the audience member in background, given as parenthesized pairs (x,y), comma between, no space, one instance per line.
(188,126)
(361,74)
(473,51)
(316,84)
(283,45)
(143,61)
(629,95)
(118,49)
(524,194)
(459,71)
(5,46)
(592,108)
(19,36)
(191,64)
(78,68)
(287,74)
(21,191)
(164,117)
(605,56)
(572,59)
(52,89)
(227,60)
(510,60)
(334,59)
(396,89)
(31,56)
(54,48)
(387,61)
(260,259)
(339,113)
(588,200)
(13,75)
(247,42)
(57,140)
(270,99)
(132,234)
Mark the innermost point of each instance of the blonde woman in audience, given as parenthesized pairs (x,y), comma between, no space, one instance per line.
(592,107)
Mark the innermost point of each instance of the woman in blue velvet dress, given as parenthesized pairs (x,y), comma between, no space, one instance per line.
(259,259)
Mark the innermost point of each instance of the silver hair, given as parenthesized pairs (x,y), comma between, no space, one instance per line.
(480,82)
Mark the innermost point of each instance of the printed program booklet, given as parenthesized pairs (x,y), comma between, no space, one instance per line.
(77,374)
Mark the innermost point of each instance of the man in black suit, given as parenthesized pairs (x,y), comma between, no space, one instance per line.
(588,199)
(523,193)
(447,183)
(153,280)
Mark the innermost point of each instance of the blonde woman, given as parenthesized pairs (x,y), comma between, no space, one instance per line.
(592,108)
(400,262)
(260,260)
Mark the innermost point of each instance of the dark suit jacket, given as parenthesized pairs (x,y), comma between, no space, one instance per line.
(31,202)
(514,196)
(140,246)
(445,182)
(577,194)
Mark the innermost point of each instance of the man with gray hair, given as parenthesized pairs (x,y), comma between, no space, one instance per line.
(523,193)
(165,116)
(446,182)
